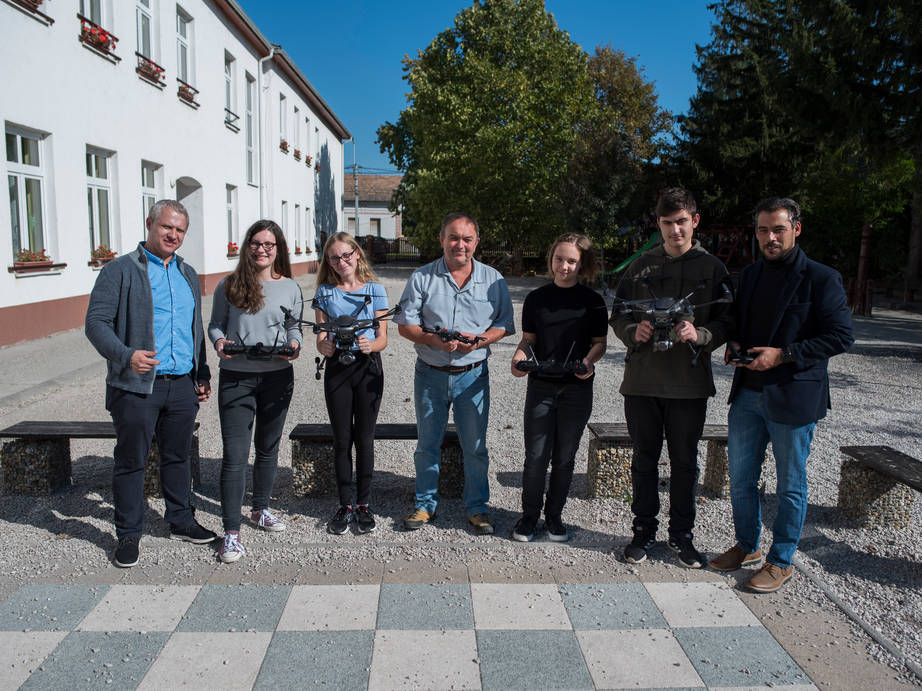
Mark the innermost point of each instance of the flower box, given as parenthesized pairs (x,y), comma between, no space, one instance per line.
(32,266)
(308,160)
(186,94)
(232,249)
(297,154)
(283,145)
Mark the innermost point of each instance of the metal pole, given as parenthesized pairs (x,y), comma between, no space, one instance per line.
(355,179)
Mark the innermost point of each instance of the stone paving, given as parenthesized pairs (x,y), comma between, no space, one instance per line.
(389,636)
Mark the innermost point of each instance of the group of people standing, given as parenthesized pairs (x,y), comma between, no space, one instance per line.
(145,318)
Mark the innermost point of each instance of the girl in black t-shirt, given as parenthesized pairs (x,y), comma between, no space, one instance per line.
(562,322)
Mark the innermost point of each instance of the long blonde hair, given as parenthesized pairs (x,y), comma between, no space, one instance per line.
(327,275)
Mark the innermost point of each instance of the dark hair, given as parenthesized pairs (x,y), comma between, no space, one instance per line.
(588,264)
(773,204)
(674,199)
(242,287)
(456,216)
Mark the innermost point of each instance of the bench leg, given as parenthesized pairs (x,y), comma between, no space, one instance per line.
(152,468)
(609,469)
(35,466)
(872,499)
(451,471)
(312,468)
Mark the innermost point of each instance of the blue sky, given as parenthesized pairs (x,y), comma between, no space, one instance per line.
(351,50)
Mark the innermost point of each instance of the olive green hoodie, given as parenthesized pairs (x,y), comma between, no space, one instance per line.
(669,373)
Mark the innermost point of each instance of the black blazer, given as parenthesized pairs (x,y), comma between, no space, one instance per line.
(811,317)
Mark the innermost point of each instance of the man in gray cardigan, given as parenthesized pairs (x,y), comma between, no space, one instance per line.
(145,318)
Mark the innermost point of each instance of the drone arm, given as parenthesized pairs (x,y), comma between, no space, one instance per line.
(379,343)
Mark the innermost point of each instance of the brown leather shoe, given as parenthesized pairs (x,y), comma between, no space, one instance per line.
(482,524)
(770,578)
(736,558)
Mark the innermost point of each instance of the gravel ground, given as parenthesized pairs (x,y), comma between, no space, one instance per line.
(877,399)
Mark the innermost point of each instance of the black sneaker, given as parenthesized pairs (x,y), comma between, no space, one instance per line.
(193,533)
(364,520)
(636,551)
(556,530)
(524,530)
(682,545)
(126,554)
(339,524)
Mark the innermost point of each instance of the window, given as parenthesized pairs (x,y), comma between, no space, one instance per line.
(283,117)
(99,197)
(284,220)
(92,10)
(308,234)
(143,18)
(184,47)
(296,127)
(297,235)
(375,227)
(150,189)
(231,213)
(229,100)
(26,179)
(350,227)
(250,131)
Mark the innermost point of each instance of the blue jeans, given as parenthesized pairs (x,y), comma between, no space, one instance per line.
(468,394)
(750,430)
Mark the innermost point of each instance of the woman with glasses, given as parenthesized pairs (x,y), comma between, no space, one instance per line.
(246,312)
(346,285)
(564,327)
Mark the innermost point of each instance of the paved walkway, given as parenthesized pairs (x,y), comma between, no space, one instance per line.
(389,636)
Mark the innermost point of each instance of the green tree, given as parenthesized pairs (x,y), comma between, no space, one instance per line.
(494,111)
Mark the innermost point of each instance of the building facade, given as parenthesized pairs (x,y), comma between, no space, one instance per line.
(375,217)
(110,105)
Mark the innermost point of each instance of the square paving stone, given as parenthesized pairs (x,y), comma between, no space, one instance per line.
(700,604)
(330,608)
(235,608)
(526,660)
(306,659)
(611,606)
(22,652)
(518,606)
(95,660)
(225,661)
(634,658)
(424,660)
(140,608)
(49,607)
(425,606)
(739,656)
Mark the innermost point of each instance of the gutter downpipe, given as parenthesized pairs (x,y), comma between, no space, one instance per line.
(261,129)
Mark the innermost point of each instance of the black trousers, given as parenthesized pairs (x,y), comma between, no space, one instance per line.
(169,412)
(682,420)
(353,396)
(555,417)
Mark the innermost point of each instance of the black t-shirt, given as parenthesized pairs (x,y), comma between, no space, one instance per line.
(562,318)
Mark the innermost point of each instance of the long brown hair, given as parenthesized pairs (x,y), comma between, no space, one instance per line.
(242,287)
(588,264)
(327,275)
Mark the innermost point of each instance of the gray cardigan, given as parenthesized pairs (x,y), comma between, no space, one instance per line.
(120,320)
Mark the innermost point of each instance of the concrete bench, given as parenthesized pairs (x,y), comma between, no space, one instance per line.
(611,453)
(877,485)
(37,458)
(312,458)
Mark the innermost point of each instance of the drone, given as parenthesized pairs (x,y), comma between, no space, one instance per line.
(344,328)
(551,368)
(665,314)
(447,335)
(257,351)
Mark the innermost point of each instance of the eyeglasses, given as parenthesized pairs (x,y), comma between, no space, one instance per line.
(344,257)
(268,246)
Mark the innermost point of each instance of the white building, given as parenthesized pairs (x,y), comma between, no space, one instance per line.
(375,217)
(109,105)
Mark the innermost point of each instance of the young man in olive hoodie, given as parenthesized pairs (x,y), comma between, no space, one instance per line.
(665,391)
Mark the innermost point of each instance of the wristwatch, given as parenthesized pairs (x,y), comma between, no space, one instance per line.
(786,355)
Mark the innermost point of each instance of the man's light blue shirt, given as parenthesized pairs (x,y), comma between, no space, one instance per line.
(432,298)
(174,310)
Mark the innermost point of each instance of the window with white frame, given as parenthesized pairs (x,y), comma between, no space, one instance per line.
(230,102)
(99,197)
(184,71)
(143,21)
(350,225)
(283,118)
(150,190)
(374,227)
(308,232)
(296,129)
(92,10)
(231,205)
(284,219)
(297,236)
(250,124)
(25,165)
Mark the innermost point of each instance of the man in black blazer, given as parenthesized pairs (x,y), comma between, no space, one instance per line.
(790,318)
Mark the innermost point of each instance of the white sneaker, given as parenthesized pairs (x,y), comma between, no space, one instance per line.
(232,550)
(266,521)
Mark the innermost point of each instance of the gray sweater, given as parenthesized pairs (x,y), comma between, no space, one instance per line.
(120,320)
(265,326)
